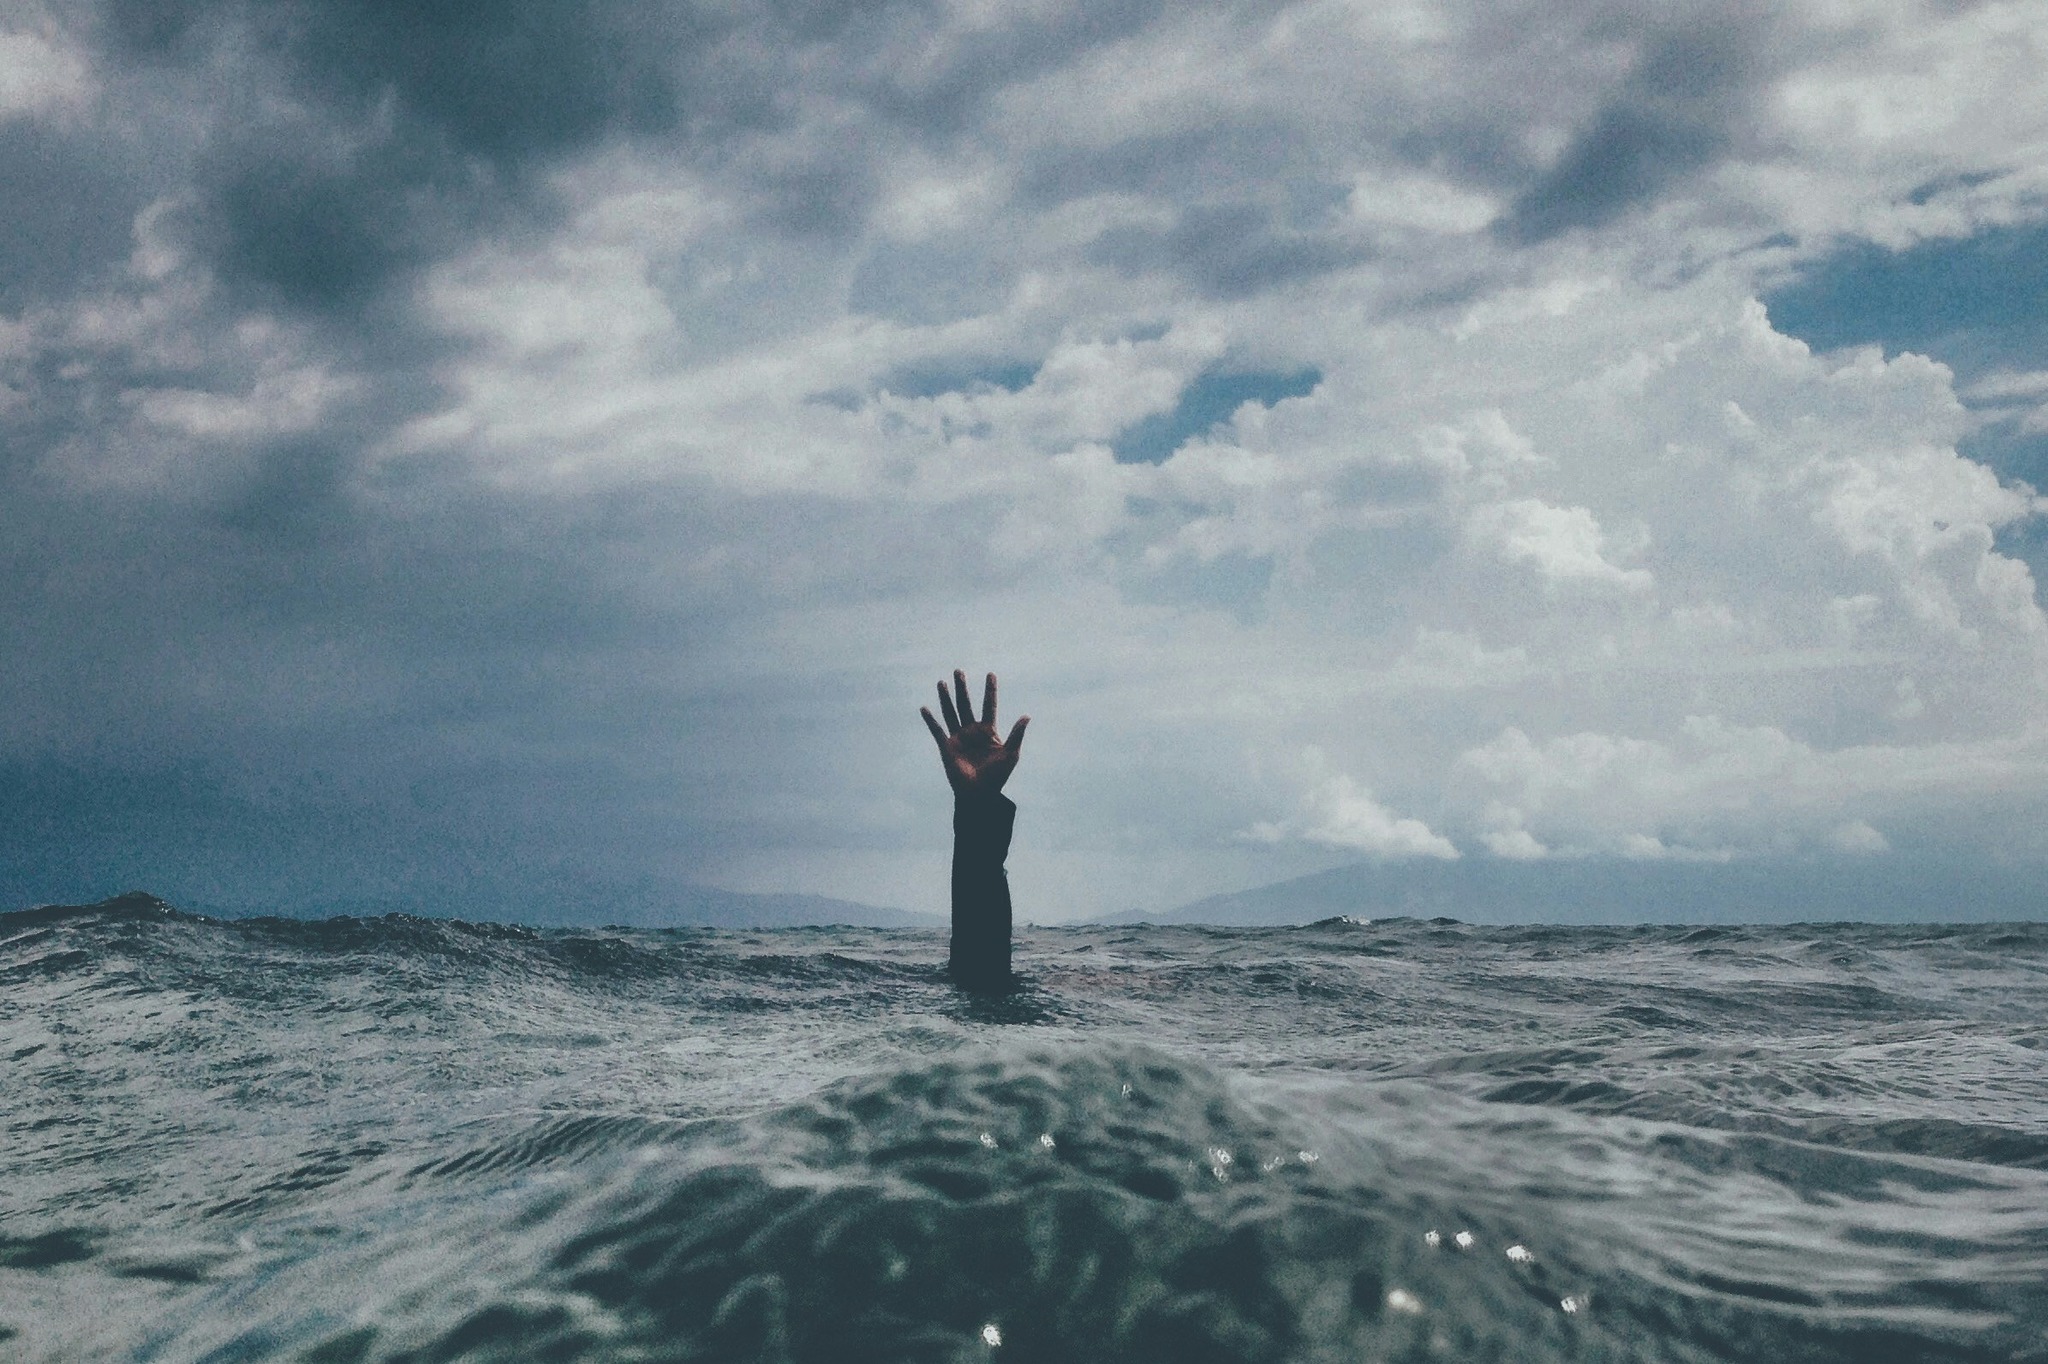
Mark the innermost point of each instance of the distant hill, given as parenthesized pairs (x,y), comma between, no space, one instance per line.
(683,907)
(1614,890)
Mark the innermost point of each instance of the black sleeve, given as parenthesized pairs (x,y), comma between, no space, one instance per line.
(981,891)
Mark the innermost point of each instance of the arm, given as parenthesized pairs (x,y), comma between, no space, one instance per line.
(980,957)
(976,766)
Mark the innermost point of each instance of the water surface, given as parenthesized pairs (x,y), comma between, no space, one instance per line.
(406,1139)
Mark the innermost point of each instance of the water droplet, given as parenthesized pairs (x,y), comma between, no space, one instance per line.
(1520,1254)
(988,1141)
(1463,1240)
(991,1335)
(1045,1140)
(1432,1239)
(1401,1300)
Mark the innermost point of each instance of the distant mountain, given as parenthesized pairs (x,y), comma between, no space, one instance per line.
(637,907)
(1881,888)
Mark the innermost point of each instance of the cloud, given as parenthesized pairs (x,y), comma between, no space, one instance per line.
(1514,845)
(1227,250)
(1857,837)
(1564,544)
(40,75)
(1344,816)
(1337,813)
(1716,790)
(1680,108)
(1451,661)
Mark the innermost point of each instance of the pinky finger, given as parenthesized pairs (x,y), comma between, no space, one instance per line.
(1016,739)
(932,724)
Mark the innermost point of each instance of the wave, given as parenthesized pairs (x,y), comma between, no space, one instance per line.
(1085,1203)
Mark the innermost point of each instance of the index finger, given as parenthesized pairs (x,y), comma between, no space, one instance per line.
(988,702)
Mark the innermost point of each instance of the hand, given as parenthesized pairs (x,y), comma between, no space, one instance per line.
(975,763)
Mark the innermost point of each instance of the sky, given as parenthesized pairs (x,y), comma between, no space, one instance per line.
(550,448)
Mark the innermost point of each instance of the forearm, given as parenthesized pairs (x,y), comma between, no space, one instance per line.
(982,825)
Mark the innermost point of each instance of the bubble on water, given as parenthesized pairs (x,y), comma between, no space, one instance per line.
(1045,1140)
(1463,1240)
(1573,1305)
(988,1141)
(1432,1238)
(1307,1157)
(991,1335)
(1520,1254)
(1127,1091)
(1401,1300)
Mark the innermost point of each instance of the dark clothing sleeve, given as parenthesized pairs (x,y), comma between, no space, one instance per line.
(981,891)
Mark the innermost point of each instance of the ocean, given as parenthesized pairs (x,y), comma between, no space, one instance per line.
(415,1139)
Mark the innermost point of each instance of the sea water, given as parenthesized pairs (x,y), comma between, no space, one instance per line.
(408,1139)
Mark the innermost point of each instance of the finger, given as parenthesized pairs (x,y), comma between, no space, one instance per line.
(960,694)
(1016,739)
(933,726)
(946,709)
(988,702)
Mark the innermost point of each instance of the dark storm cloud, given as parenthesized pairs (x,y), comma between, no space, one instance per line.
(366,138)
(362,139)
(1181,163)
(1228,250)
(1681,108)
(313,237)
(503,80)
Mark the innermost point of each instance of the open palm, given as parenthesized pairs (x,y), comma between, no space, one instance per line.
(976,762)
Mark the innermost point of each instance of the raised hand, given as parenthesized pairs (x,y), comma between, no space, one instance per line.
(976,764)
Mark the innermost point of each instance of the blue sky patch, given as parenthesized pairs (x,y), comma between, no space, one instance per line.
(1207,401)
(1978,304)
(966,376)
